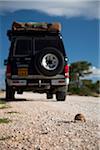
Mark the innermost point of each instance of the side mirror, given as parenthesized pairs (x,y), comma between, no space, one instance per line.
(5,62)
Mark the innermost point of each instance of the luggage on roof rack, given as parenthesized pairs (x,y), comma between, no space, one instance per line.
(35,26)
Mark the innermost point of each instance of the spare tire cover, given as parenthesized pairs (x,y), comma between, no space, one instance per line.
(49,62)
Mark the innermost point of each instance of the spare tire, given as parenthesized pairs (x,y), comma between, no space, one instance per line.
(49,62)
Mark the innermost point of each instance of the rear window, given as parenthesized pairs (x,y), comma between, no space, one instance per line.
(43,43)
(23,47)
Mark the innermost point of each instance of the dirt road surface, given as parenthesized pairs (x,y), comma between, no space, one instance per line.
(40,124)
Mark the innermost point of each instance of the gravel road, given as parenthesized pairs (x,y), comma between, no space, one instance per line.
(41,124)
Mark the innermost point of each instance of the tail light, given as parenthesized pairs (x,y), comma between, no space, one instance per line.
(8,70)
(66,71)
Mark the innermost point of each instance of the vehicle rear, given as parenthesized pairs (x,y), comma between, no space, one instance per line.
(37,62)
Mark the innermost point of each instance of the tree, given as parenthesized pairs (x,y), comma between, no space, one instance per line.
(79,69)
(96,87)
(78,84)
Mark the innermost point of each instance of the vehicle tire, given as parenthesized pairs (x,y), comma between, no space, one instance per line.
(49,95)
(60,96)
(9,93)
(49,62)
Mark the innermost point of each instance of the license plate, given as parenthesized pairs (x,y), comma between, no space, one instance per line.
(58,82)
(22,71)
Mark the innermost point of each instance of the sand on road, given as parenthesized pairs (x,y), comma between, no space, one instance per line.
(38,123)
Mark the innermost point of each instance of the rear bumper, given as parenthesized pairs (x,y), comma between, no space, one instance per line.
(38,81)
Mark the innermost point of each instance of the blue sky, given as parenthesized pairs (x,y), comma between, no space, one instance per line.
(80,26)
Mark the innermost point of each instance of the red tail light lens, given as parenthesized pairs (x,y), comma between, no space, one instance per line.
(66,71)
(8,70)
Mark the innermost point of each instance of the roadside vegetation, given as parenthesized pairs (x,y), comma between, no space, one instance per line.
(12,112)
(78,84)
(3,105)
(3,138)
(4,120)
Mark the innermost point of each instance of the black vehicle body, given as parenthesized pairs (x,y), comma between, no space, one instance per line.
(36,62)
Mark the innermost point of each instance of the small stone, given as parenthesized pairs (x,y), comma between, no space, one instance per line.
(37,147)
(80,117)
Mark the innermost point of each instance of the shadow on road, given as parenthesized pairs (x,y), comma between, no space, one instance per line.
(23,99)
(17,99)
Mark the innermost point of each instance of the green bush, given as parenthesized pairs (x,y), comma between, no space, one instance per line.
(4,120)
(86,88)
(80,91)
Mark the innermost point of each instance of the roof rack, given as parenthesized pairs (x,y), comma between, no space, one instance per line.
(36,26)
(12,34)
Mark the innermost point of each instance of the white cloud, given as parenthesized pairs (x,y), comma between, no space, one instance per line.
(95,73)
(68,8)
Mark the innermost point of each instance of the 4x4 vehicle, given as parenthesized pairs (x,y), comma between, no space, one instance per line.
(37,60)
